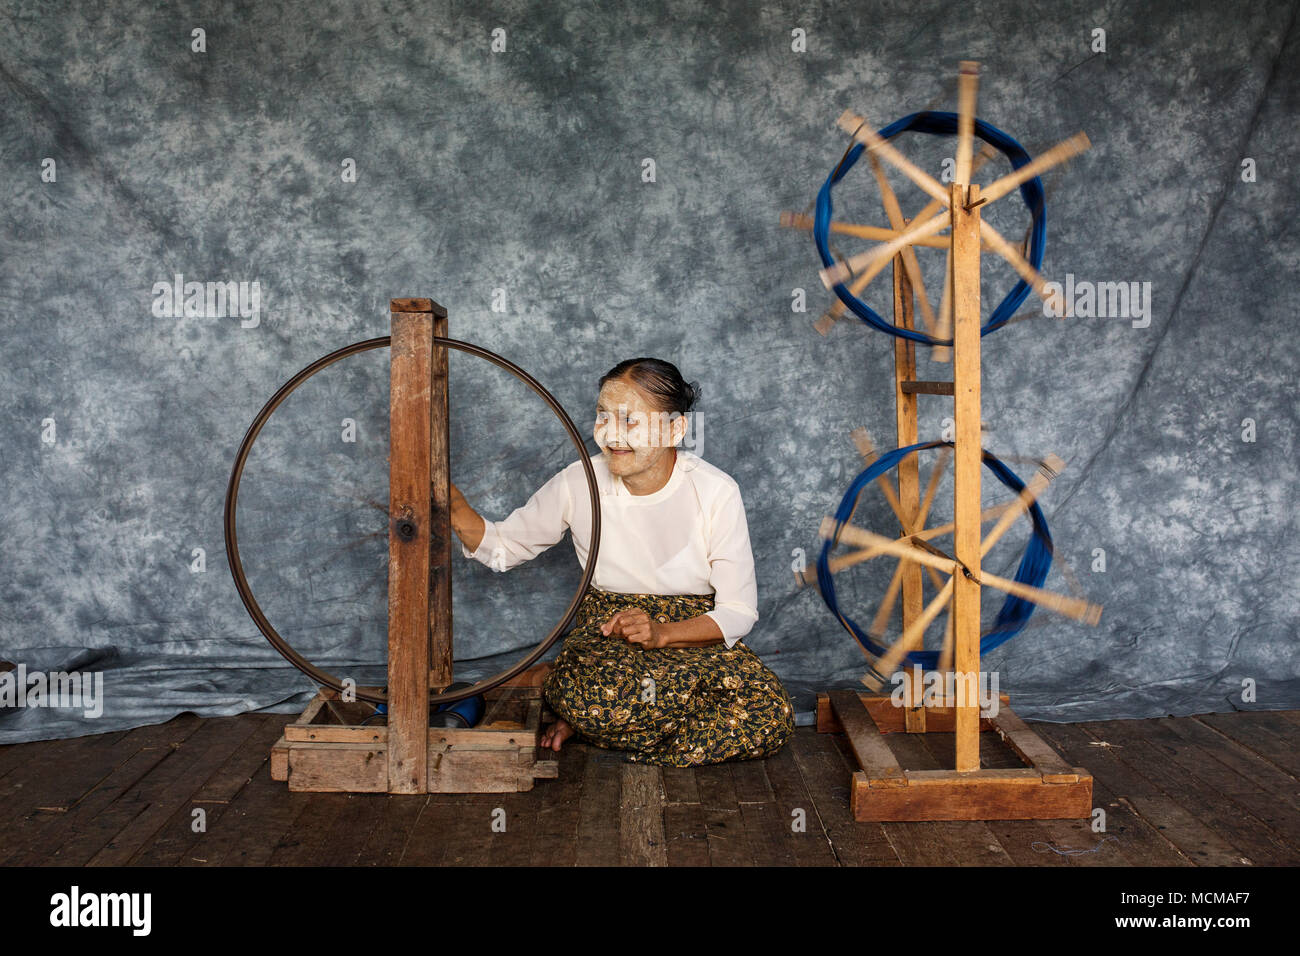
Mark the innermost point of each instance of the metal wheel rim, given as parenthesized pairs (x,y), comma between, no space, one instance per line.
(232,539)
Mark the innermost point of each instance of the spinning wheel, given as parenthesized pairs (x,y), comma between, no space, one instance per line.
(402,528)
(953,333)
(333,746)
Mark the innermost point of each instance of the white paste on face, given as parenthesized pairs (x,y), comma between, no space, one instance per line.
(625,418)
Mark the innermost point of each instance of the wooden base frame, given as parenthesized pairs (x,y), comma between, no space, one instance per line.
(329,749)
(1047,788)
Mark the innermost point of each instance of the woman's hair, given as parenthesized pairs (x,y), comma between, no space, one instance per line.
(661,380)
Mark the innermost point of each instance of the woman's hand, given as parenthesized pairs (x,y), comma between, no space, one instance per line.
(636,626)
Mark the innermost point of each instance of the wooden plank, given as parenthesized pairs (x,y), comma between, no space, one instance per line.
(790,799)
(1134,839)
(338,767)
(411,576)
(724,825)
(426,843)
(888,718)
(1192,838)
(1031,748)
(917,844)
(478,769)
(968,457)
(873,755)
(348,836)
(1248,765)
(166,788)
(1033,842)
(962,842)
(925,388)
(59,795)
(466,827)
(766,821)
(252,825)
(513,846)
(386,843)
(174,840)
(598,826)
(685,834)
(559,816)
(640,814)
(1024,841)
(1251,729)
(1229,818)
(826,778)
(234,774)
(304,842)
(967,85)
(768,831)
(680,785)
(971,795)
(749,777)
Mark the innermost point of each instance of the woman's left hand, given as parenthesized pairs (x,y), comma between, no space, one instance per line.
(636,626)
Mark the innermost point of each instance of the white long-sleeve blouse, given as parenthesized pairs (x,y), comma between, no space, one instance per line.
(689,537)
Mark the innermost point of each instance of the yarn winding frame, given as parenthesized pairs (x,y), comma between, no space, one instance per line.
(1047,787)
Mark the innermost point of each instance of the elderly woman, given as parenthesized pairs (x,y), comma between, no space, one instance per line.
(654,665)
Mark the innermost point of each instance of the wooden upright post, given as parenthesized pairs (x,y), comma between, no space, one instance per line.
(440,649)
(418,572)
(909,483)
(966,467)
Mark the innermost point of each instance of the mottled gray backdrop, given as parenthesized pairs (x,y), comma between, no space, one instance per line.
(511,185)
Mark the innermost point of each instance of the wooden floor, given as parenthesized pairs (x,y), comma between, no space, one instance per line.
(1218,789)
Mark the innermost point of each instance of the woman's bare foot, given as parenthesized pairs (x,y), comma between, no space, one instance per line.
(557,734)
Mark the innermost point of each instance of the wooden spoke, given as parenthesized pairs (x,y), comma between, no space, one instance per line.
(943,353)
(991,238)
(858,127)
(895,215)
(910,638)
(945,304)
(886,609)
(936,473)
(1075,608)
(868,452)
(1066,149)
(873,261)
(795,220)
(945,654)
(840,562)
(1049,469)
(967,84)
(903,549)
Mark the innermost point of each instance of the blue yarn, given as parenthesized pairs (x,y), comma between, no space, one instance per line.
(937,124)
(1015,612)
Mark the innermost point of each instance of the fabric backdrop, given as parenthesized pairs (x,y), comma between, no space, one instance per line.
(580,183)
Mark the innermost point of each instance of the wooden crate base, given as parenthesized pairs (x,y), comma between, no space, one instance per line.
(1047,788)
(328,749)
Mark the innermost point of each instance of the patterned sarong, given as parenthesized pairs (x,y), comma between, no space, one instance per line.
(678,706)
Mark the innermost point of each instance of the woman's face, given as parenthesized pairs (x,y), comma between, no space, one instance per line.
(633,435)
